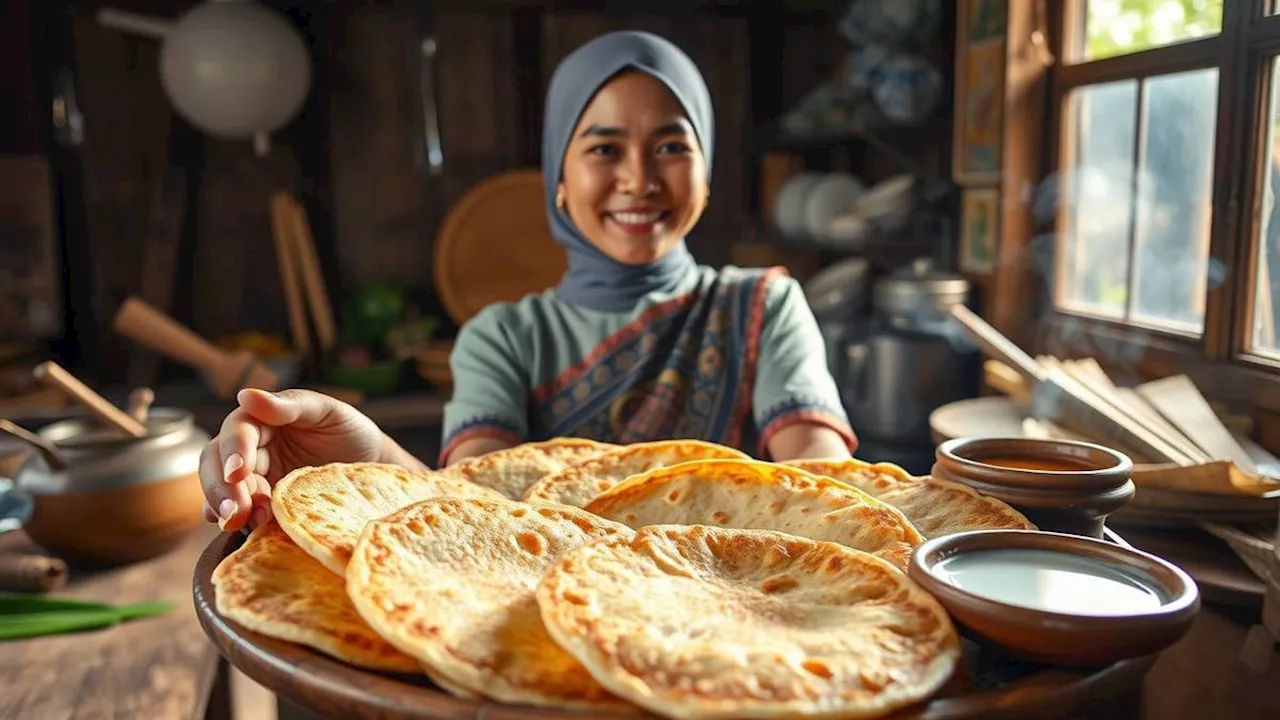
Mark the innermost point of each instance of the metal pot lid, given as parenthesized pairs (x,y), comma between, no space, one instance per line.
(839,288)
(907,287)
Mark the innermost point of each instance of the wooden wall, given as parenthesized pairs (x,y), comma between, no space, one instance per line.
(351,156)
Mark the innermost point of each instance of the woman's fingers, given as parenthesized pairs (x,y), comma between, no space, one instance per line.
(299,408)
(229,503)
(238,441)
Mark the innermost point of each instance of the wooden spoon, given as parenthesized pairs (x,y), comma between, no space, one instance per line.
(52,374)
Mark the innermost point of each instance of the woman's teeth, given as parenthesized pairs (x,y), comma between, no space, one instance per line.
(627,218)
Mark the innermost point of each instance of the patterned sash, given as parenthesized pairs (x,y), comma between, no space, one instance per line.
(683,369)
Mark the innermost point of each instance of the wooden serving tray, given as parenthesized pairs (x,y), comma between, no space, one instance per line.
(988,686)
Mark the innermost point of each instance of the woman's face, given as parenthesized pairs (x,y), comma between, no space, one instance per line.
(634,180)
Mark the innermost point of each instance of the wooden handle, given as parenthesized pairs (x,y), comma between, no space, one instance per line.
(313,278)
(138,320)
(140,404)
(52,374)
(997,346)
(286,257)
(31,573)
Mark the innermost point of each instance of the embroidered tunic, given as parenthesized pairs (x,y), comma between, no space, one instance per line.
(730,356)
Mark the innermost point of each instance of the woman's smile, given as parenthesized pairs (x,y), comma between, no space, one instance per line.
(638,221)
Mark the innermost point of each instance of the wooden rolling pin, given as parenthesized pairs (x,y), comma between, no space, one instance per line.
(227,371)
(52,374)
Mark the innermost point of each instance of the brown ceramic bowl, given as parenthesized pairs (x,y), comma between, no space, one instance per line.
(1060,485)
(1060,636)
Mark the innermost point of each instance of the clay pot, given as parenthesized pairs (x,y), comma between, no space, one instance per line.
(1060,485)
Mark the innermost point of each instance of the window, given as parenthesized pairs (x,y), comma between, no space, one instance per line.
(1168,172)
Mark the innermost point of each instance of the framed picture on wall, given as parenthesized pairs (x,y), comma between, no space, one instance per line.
(979,91)
(979,229)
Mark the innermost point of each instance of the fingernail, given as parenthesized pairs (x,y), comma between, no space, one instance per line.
(226,509)
(259,517)
(234,462)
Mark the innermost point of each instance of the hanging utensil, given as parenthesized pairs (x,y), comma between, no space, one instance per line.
(432,146)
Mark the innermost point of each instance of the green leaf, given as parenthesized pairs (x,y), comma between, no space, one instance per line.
(36,616)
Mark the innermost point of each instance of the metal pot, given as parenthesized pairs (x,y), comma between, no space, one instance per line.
(118,500)
(907,365)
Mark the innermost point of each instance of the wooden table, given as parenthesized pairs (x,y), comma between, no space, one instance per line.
(158,668)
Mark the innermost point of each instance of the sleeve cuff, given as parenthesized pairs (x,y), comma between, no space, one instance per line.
(480,428)
(790,415)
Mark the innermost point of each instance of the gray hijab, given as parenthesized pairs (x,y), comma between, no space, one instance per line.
(595,280)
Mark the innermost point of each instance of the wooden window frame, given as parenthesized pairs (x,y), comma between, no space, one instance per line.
(1218,360)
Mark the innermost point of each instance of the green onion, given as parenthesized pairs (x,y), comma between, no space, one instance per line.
(23,617)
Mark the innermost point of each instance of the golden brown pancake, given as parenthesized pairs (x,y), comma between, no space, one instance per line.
(271,586)
(701,622)
(579,484)
(451,583)
(324,508)
(936,507)
(511,472)
(758,495)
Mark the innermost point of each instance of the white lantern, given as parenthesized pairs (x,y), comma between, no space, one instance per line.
(232,68)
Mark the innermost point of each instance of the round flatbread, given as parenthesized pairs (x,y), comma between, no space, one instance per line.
(513,471)
(451,582)
(765,496)
(703,622)
(271,586)
(324,508)
(936,507)
(579,484)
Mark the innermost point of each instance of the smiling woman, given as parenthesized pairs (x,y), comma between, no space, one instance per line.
(638,342)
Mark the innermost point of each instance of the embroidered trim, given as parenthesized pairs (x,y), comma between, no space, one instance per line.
(811,416)
(755,327)
(627,332)
(479,428)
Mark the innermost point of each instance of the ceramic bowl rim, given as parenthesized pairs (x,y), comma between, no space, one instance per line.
(926,556)
(1111,475)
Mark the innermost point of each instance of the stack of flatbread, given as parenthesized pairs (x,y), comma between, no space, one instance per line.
(680,578)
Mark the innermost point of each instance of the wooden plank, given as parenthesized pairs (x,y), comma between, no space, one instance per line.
(1022,167)
(126,142)
(478,101)
(382,223)
(161,667)
(160,256)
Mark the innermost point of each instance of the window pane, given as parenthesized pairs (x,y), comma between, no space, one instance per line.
(1266,303)
(1120,27)
(1097,200)
(1171,253)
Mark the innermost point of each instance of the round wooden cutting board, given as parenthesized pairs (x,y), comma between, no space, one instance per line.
(495,245)
(989,686)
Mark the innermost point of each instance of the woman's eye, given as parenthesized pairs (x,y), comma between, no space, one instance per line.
(603,150)
(673,147)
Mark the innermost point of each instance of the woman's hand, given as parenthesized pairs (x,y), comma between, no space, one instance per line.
(269,435)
